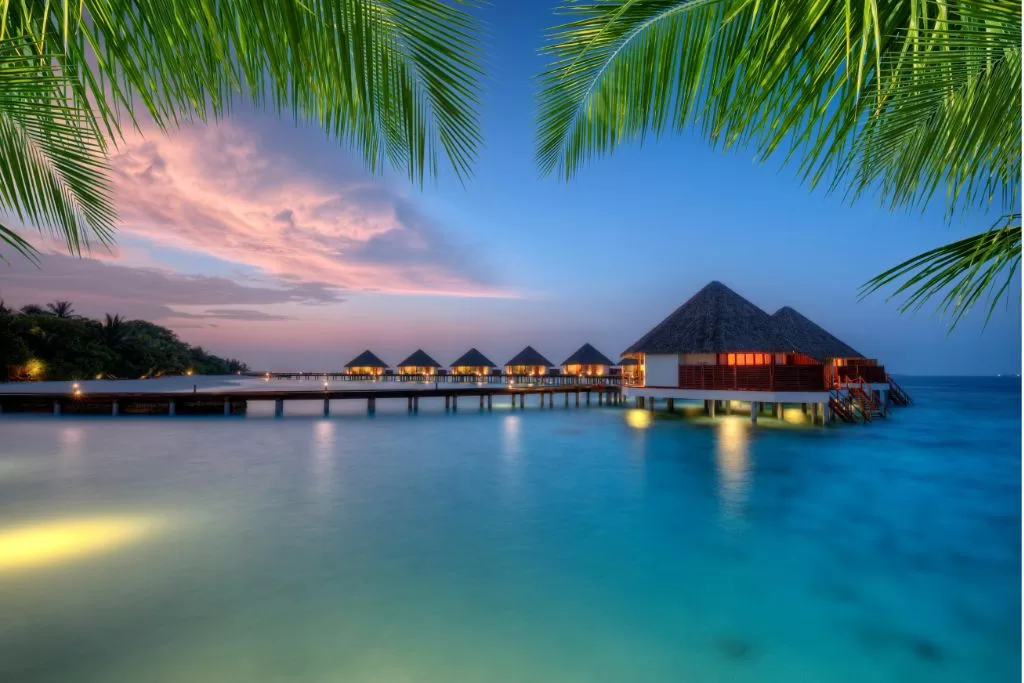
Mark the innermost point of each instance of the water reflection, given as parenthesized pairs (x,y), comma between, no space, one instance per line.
(56,541)
(638,418)
(323,460)
(732,457)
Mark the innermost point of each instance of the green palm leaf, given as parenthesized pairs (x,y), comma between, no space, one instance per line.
(52,162)
(398,80)
(901,99)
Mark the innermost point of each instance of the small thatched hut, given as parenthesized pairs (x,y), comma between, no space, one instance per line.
(528,362)
(472,362)
(587,361)
(419,363)
(365,363)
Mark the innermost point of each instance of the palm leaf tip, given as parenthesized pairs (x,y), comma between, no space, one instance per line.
(959,275)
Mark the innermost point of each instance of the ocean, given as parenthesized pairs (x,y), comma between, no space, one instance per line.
(568,544)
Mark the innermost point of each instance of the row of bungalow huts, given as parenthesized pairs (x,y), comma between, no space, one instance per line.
(719,347)
(587,361)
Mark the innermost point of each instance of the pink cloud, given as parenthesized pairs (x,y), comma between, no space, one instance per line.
(216,190)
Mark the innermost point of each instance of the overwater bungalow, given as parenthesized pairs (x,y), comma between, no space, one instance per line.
(366,363)
(419,363)
(844,365)
(528,362)
(629,369)
(720,347)
(472,362)
(587,361)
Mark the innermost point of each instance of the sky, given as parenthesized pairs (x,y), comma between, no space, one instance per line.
(263,240)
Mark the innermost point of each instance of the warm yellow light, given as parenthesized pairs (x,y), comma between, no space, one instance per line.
(189,372)
(99,376)
(53,542)
(78,392)
(34,368)
(793,416)
(639,419)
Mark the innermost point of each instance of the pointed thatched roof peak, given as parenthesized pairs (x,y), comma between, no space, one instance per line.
(473,359)
(587,355)
(529,356)
(714,320)
(419,359)
(366,360)
(807,337)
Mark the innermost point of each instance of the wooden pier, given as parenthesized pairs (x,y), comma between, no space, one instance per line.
(236,402)
(446,378)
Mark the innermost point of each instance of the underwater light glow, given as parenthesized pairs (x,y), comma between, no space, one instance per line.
(57,541)
(638,418)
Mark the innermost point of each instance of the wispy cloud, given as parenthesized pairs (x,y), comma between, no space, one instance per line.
(98,287)
(218,190)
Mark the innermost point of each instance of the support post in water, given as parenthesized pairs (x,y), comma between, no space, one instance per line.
(670,405)
(56,408)
(115,408)
(455,403)
(754,406)
(279,407)
(327,407)
(488,401)
(371,405)
(227,406)
(172,407)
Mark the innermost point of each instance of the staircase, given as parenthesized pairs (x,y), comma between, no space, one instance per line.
(897,394)
(841,408)
(864,400)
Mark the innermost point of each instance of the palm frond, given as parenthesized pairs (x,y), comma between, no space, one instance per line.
(53,171)
(897,97)
(902,99)
(396,79)
(961,273)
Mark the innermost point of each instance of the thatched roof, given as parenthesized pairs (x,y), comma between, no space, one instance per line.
(473,359)
(366,360)
(419,359)
(529,356)
(807,337)
(587,355)
(715,320)
(628,361)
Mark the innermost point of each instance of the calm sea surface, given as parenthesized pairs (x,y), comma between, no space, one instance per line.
(531,546)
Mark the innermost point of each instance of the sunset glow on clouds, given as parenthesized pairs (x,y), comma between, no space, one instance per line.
(214,190)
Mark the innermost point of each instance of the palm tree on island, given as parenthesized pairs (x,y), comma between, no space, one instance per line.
(906,99)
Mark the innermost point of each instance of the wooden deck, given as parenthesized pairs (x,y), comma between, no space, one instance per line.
(235,402)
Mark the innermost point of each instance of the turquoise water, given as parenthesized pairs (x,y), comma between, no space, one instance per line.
(538,545)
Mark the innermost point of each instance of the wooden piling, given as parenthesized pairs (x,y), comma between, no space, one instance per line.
(227,406)
(278,407)
(172,407)
(115,408)
(327,407)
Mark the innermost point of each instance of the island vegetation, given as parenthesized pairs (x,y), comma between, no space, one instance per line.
(52,343)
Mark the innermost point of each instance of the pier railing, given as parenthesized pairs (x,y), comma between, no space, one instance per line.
(512,380)
(752,377)
(873,374)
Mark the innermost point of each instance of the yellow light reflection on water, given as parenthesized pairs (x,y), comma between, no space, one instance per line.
(638,418)
(794,416)
(733,460)
(57,541)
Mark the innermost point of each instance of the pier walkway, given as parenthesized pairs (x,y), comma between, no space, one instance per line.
(234,402)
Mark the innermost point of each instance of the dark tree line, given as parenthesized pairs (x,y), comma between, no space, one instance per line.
(53,343)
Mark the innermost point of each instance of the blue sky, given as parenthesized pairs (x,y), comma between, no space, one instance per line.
(510,259)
